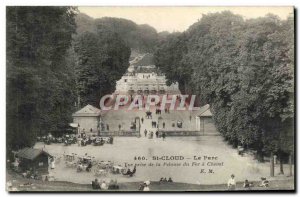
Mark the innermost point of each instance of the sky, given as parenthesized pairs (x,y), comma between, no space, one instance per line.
(178,18)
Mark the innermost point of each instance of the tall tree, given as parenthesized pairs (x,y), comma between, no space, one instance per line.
(245,70)
(39,84)
(103,57)
(141,38)
(168,57)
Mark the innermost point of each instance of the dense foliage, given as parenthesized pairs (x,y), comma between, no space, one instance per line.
(245,70)
(40,82)
(49,67)
(141,38)
(102,60)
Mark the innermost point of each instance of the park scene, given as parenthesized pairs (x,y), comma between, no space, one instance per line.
(104,104)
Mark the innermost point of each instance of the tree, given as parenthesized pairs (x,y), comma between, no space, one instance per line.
(169,58)
(39,84)
(141,38)
(103,57)
(245,70)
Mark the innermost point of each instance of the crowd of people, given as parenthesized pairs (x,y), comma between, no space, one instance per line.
(84,140)
(157,111)
(158,134)
(85,163)
(145,186)
(129,172)
(49,139)
(231,184)
(148,114)
(103,185)
(165,180)
(84,166)
(154,124)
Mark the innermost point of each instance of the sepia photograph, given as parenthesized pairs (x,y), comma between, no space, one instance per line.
(150,99)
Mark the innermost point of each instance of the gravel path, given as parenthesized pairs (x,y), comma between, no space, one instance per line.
(125,149)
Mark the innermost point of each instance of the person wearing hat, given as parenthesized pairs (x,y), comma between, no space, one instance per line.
(146,186)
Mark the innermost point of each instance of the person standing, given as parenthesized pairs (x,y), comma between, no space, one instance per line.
(16,164)
(156,133)
(231,184)
(146,186)
(119,127)
(163,136)
(164,124)
(52,163)
(145,132)
(142,120)
(79,141)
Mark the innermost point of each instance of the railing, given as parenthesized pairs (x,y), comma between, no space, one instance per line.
(188,133)
(120,133)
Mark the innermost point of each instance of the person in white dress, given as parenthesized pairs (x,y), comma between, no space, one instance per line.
(104,186)
(231,184)
(52,163)
(146,186)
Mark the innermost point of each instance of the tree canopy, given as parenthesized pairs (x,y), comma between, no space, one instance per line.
(244,69)
(103,58)
(40,85)
(142,38)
